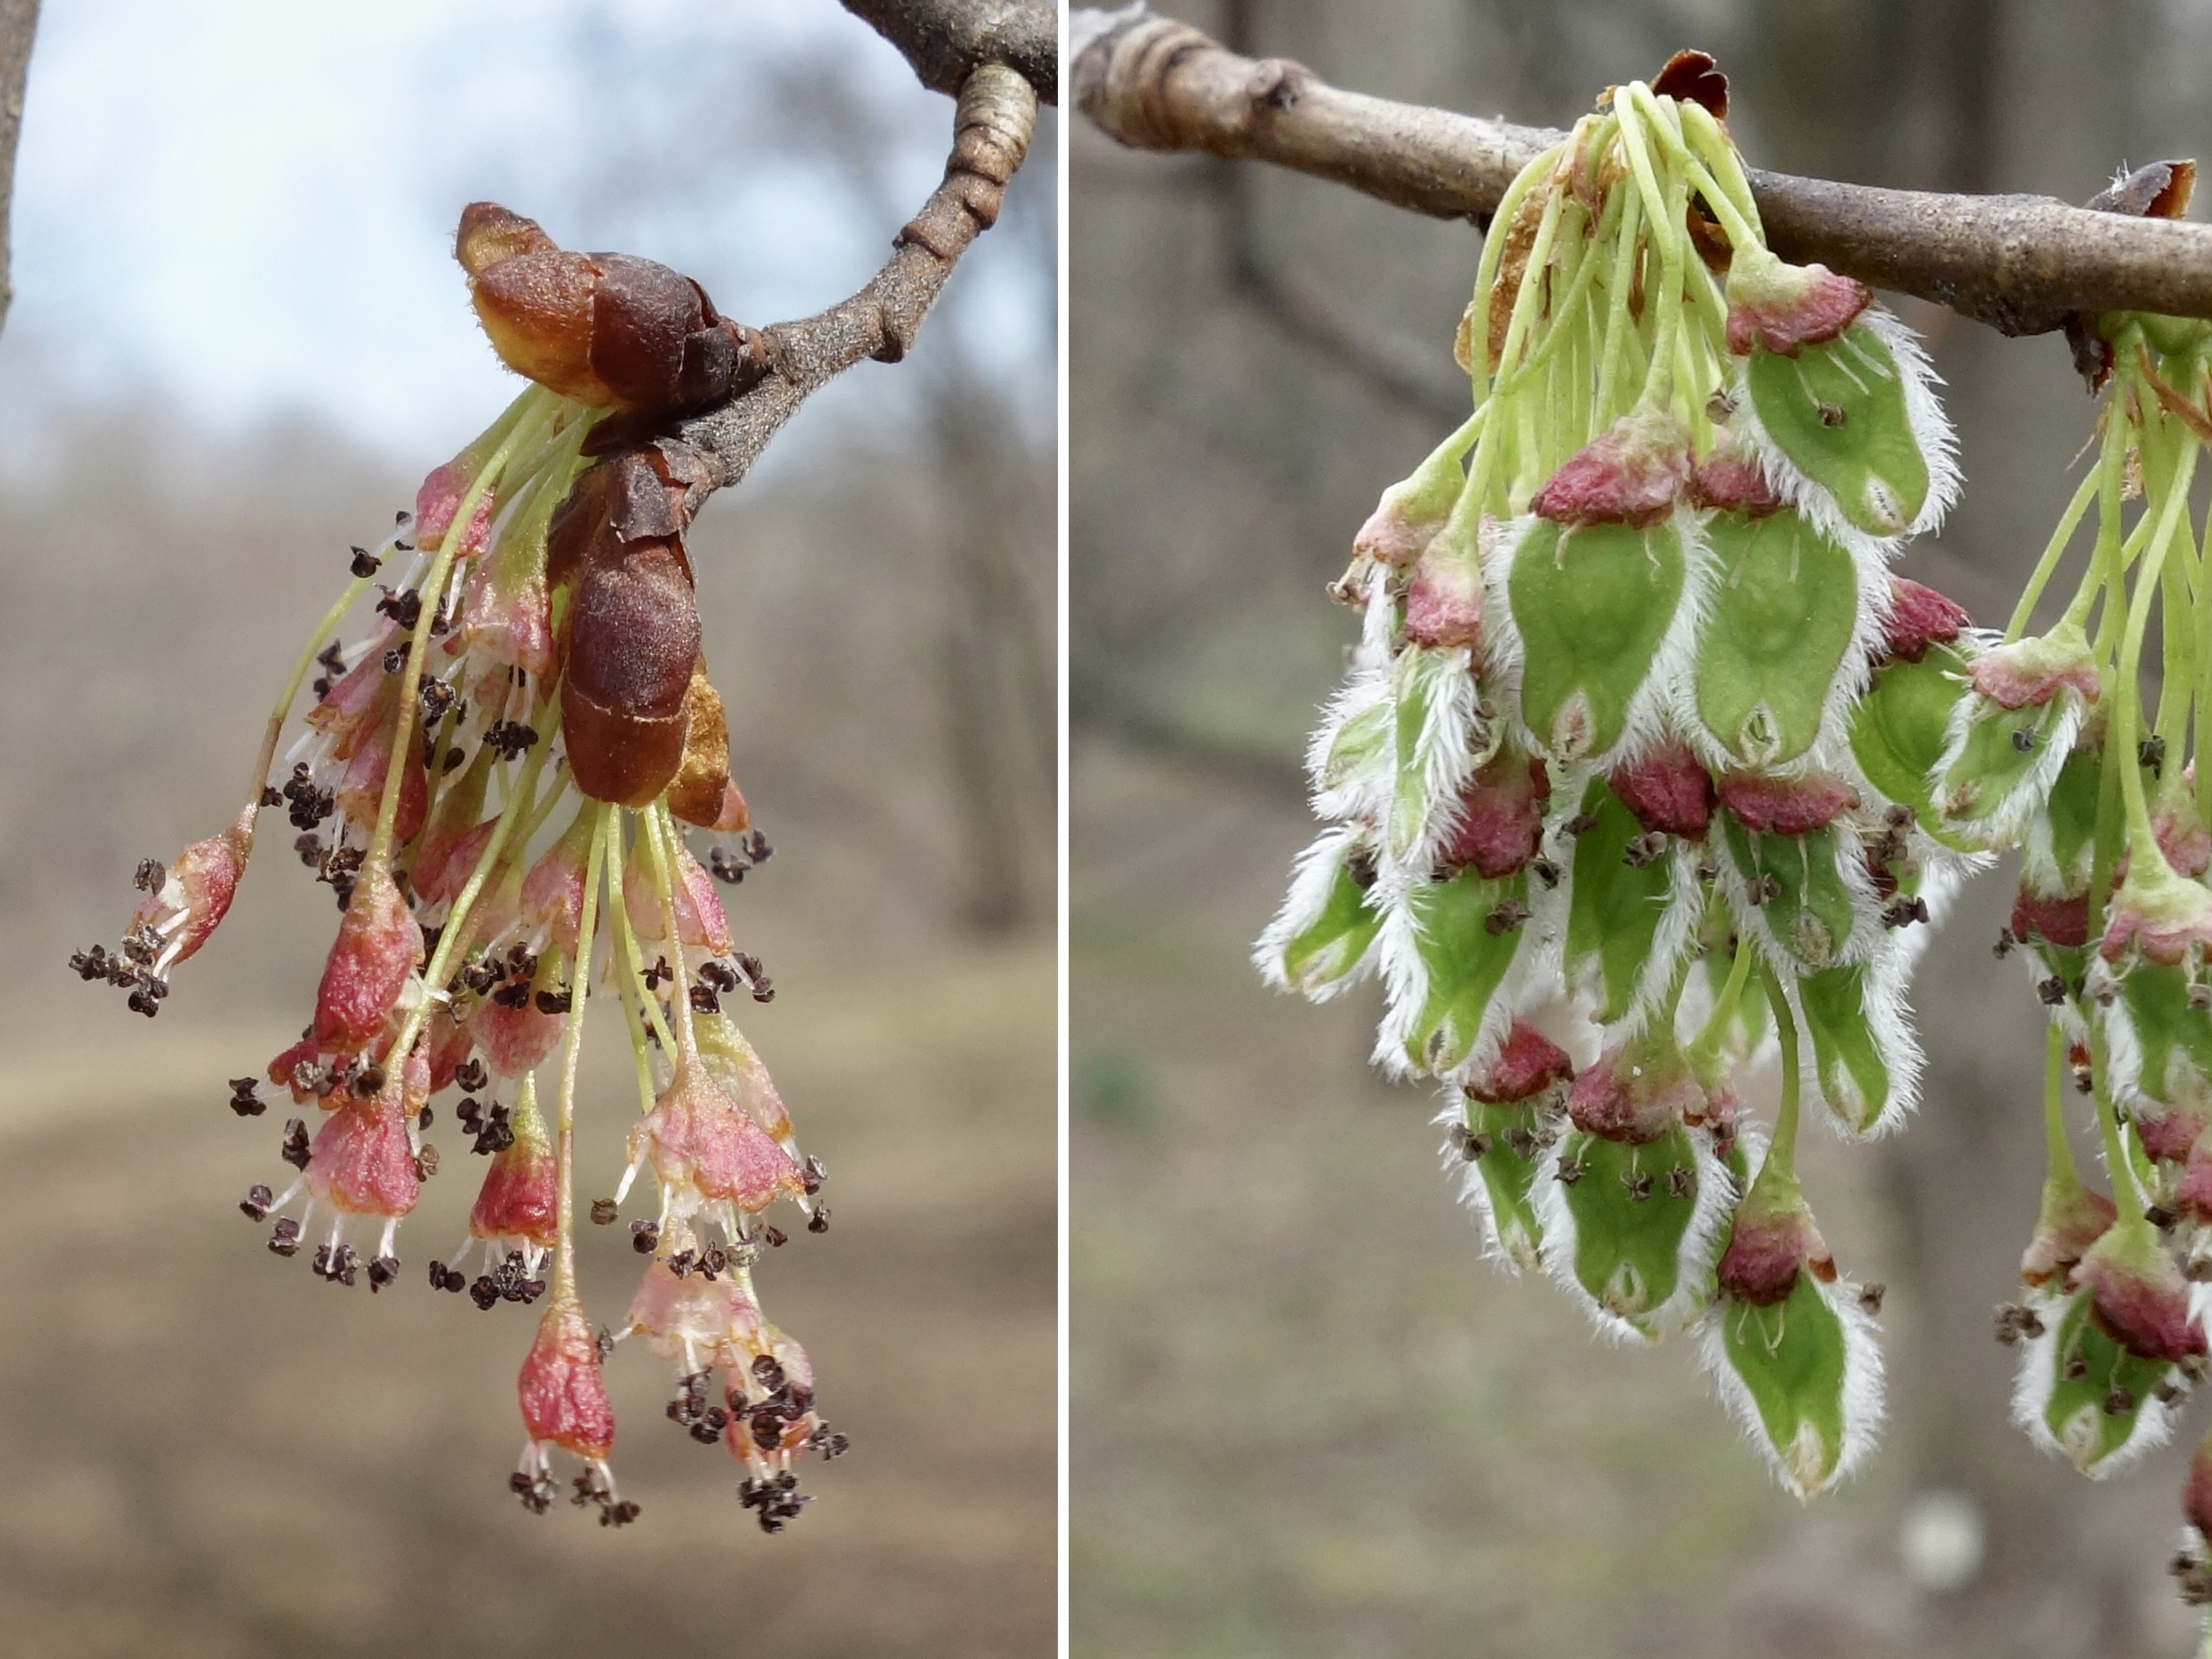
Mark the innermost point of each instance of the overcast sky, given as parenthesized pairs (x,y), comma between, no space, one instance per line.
(247,206)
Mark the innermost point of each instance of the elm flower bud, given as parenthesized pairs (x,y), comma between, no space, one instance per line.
(376,952)
(564,1401)
(1501,1120)
(1790,1346)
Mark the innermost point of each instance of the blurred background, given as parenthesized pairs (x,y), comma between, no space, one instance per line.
(1308,1418)
(239,341)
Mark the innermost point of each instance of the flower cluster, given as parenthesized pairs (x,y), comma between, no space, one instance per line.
(1640,716)
(495,781)
(1641,711)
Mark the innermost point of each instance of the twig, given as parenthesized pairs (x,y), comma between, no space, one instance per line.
(19,20)
(2021,264)
(996,115)
(947,40)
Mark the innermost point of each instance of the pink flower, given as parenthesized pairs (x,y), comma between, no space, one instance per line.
(2139,1296)
(1444,597)
(1772,1238)
(1784,307)
(701,921)
(439,498)
(552,899)
(2157,914)
(1919,617)
(364,1163)
(2029,673)
(520,1196)
(1787,806)
(1527,1063)
(1501,815)
(732,1062)
(1730,480)
(1630,473)
(1668,790)
(2061,920)
(514,1037)
(1637,1090)
(2072,1218)
(709,1152)
(564,1401)
(378,947)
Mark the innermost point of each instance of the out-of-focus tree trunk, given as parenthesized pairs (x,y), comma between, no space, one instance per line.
(19,20)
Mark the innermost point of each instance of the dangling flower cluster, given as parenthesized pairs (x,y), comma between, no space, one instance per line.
(493,781)
(1632,724)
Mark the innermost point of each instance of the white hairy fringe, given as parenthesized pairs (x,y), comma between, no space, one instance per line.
(1672,940)
(1367,791)
(1866,929)
(1930,428)
(1406,988)
(1646,722)
(2038,1374)
(1312,877)
(1472,1191)
(1378,622)
(1695,1258)
(1885,975)
(1862,1387)
(1854,673)
(1453,744)
(2007,825)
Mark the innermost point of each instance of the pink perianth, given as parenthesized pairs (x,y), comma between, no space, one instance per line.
(1766,1249)
(552,890)
(379,945)
(361,791)
(513,1040)
(2175,921)
(562,1396)
(2193,1193)
(2024,674)
(702,923)
(520,1195)
(1527,1063)
(2071,1221)
(1630,473)
(439,498)
(1501,817)
(447,1043)
(1394,537)
(2168,1132)
(1919,617)
(205,878)
(445,862)
(700,1140)
(2197,1491)
(2061,921)
(1667,789)
(734,1064)
(1444,598)
(359,700)
(1794,307)
(2142,1303)
(362,1163)
(1624,1098)
(696,1319)
(1787,806)
(506,619)
(1730,480)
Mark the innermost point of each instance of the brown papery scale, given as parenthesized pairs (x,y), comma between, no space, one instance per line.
(611,330)
(702,792)
(631,638)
